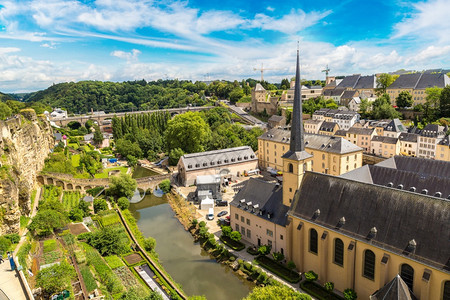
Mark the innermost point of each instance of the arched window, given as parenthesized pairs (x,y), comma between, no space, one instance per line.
(446,293)
(291,168)
(313,241)
(369,264)
(338,252)
(407,274)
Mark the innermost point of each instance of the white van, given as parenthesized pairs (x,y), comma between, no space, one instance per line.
(210,215)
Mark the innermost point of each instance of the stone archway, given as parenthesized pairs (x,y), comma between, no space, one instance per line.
(88,187)
(50,181)
(78,187)
(40,179)
(60,183)
(69,186)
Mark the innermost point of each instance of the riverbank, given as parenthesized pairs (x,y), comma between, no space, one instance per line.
(185,212)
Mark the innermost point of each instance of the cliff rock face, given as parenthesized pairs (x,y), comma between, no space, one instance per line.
(25,141)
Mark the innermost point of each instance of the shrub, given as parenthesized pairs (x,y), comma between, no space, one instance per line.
(84,236)
(13,237)
(226,230)
(264,250)
(165,185)
(291,265)
(235,245)
(123,203)
(99,205)
(202,224)
(235,236)
(4,244)
(311,276)
(149,244)
(278,269)
(55,278)
(329,286)
(350,294)
(278,256)
(194,222)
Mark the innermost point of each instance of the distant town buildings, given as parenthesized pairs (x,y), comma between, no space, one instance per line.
(58,113)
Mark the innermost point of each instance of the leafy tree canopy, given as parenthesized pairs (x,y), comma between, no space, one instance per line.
(122,186)
(404,99)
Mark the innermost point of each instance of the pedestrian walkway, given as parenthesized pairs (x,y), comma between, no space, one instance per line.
(10,283)
(146,274)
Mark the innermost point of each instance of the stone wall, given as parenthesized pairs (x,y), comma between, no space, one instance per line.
(25,141)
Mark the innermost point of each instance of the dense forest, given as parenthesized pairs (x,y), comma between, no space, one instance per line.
(147,135)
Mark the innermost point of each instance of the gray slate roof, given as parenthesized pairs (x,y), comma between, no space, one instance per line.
(399,216)
(366,82)
(216,158)
(362,131)
(326,143)
(349,81)
(348,94)
(433,130)
(408,137)
(395,126)
(396,289)
(445,141)
(341,132)
(385,139)
(431,80)
(328,126)
(268,196)
(406,81)
(276,118)
(423,166)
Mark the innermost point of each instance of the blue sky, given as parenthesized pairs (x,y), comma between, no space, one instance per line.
(50,41)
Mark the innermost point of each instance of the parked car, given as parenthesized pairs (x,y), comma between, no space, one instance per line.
(223,221)
(210,215)
(221,203)
(222,213)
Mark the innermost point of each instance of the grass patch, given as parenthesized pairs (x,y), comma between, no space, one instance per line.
(75,159)
(24,220)
(88,278)
(71,200)
(110,219)
(22,254)
(278,269)
(318,291)
(49,246)
(235,245)
(51,257)
(114,261)
(104,173)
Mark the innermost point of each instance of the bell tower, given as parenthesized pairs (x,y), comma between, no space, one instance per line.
(296,161)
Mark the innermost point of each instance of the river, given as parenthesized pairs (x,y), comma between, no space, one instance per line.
(184,260)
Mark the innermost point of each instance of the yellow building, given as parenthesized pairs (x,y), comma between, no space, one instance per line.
(361,137)
(331,154)
(328,128)
(360,235)
(443,149)
(312,126)
(385,146)
(416,85)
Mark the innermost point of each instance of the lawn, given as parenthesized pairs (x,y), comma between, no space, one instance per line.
(278,269)
(71,200)
(110,219)
(75,160)
(49,246)
(104,173)
(114,261)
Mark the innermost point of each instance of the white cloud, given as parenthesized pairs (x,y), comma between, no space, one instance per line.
(291,23)
(133,55)
(429,21)
(270,8)
(431,52)
(4,50)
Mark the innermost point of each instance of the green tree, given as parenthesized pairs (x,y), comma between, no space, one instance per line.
(187,131)
(235,236)
(165,185)
(100,204)
(56,278)
(285,84)
(236,94)
(109,241)
(76,214)
(5,111)
(278,256)
(174,156)
(46,221)
(364,107)
(404,99)
(98,135)
(226,230)
(123,203)
(444,102)
(84,206)
(383,82)
(382,109)
(275,292)
(122,186)
(149,243)
(132,160)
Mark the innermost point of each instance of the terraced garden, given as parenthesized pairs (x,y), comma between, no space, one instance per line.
(71,199)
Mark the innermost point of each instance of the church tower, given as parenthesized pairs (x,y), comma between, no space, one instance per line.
(296,161)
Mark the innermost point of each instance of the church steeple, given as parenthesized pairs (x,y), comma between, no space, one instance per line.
(297,143)
(296,161)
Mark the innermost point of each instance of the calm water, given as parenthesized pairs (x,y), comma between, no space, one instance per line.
(140,172)
(186,262)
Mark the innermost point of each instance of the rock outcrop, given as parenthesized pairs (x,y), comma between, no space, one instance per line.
(25,141)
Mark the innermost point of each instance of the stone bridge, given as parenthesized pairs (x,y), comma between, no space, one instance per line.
(102,117)
(68,182)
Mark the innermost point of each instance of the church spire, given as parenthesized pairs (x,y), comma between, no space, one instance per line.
(297,143)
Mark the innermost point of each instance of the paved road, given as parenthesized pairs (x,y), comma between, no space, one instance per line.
(10,283)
